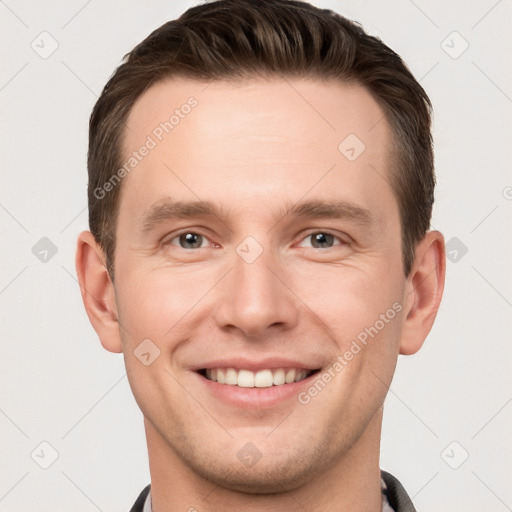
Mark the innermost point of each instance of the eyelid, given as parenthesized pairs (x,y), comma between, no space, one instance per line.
(338,237)
(167,239)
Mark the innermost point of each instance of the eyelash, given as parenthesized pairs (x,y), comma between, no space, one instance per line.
(309,235)
(187,232)
(328,233)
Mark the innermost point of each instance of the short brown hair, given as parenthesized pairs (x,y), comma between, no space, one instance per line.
(231,39)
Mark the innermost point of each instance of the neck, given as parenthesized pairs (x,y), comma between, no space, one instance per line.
(352,483)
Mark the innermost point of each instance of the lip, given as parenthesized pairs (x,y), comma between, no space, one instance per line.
(254,398)
(242,363)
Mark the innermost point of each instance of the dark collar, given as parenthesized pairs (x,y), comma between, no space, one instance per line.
(397,496)
(138,506)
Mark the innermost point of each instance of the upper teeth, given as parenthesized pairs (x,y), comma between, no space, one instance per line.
(259,379)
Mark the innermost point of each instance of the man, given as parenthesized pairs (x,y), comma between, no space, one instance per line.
(260,192)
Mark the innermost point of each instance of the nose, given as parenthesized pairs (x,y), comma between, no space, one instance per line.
(256,298)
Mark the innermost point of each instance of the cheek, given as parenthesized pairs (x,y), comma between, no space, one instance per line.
(158,303)
(153,307)
(353,302)
(364,321)
(359,310)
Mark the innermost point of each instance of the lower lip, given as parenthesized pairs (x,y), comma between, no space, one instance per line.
(255,398)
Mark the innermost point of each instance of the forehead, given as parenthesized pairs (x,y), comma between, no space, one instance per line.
(285,135)
(328,108)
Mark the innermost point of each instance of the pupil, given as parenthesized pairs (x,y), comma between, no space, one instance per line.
(190,240)
(322,240)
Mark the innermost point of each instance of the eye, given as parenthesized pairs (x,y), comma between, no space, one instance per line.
(189,240)
(321,240)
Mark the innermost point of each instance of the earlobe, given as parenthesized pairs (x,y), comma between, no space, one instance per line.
(424,291)
(97,291)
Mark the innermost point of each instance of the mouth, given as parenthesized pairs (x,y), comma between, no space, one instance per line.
(264,378)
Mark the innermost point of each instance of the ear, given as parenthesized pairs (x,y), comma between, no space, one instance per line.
(98,293)
(424,290)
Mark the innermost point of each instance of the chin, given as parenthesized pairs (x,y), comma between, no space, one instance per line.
(270,477)
(274,471)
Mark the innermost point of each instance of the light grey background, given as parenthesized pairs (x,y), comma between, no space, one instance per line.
(58,385)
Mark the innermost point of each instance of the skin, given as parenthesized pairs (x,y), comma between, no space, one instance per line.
(252,148)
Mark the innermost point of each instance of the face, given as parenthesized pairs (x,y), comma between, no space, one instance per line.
(258,242)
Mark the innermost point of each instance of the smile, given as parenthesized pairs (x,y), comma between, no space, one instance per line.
(260,379)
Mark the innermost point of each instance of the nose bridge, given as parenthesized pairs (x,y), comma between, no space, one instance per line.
(256,280)
(255,298)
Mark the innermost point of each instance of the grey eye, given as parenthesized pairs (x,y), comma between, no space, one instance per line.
(322,240)
(190,240)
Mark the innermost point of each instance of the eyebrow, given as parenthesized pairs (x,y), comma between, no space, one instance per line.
(313,209)
(171,209)
(334,209)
